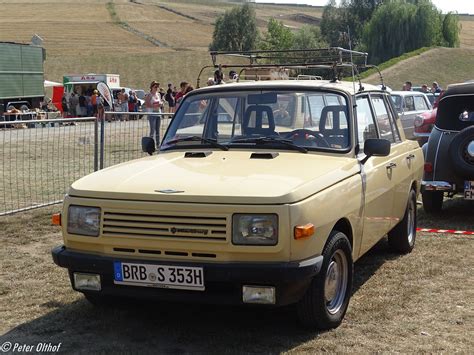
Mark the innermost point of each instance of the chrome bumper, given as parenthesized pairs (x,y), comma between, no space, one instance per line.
(421,135)
(437,186)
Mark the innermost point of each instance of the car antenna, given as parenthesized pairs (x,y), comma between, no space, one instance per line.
(352,61)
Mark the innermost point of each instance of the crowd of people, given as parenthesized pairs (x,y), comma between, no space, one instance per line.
(84,104)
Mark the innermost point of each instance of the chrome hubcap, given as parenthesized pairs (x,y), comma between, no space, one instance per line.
(411,222)
(335,285)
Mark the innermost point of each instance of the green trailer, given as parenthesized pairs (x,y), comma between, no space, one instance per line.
(21,74)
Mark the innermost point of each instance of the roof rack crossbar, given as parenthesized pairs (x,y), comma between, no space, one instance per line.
(334,59)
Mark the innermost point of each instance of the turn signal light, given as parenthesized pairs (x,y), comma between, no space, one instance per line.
(56,219)
(428,167)
(304,231)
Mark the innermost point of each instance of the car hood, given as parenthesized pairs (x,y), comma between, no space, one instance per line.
(220,177)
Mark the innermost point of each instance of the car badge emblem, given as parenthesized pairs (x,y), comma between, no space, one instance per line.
(169,191)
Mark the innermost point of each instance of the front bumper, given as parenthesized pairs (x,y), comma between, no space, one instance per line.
(223,281)
(437,186)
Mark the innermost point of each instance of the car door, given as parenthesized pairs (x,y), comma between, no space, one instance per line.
(403,156)
(376,177)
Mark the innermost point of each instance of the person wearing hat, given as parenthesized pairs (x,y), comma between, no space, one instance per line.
(153,103)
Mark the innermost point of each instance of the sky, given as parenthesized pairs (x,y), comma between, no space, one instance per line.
(461,6)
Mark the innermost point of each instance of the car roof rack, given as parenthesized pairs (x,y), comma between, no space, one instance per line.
(333,59)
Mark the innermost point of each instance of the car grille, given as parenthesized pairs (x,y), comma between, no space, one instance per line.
(172,226)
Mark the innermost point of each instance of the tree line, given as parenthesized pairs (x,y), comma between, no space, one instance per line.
(383,28)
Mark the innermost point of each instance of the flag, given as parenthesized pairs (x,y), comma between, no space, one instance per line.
(105,93)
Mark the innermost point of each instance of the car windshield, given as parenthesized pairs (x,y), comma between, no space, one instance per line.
(311,120)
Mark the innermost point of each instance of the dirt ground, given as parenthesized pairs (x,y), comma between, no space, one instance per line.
(421,302)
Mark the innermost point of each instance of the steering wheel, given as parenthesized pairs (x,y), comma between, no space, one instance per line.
(318,138)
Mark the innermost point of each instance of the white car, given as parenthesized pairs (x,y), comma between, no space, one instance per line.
(410,104)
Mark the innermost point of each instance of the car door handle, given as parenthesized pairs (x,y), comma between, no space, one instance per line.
(411,156)
(391,166)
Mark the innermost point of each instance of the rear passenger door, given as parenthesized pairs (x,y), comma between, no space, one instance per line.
(376,177)
(399,162)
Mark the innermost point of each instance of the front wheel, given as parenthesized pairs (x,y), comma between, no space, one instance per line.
(402,238)
(327,298)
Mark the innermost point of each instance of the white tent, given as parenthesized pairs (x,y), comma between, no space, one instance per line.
(50,84)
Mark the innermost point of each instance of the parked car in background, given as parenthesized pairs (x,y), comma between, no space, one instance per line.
(424,123)
(449,153)
(409,104)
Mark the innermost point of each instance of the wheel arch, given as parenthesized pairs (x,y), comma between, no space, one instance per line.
(343,225)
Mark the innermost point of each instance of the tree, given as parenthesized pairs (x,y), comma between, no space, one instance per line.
(235,30)
(451,29)
(308,37)
(277,37)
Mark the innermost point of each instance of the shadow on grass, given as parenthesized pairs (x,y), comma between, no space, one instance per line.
(146,326)
(457,213)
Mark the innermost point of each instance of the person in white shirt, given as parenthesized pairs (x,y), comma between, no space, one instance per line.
(153,103)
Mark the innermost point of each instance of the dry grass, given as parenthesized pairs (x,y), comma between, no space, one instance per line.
(467,33)
(444,65)
(420,302)
(172,29)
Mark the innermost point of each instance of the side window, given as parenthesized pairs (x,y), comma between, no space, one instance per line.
(420,104)
(409,103)
(381,116)
(366,127)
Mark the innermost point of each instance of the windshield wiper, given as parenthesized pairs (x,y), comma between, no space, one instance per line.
(212,142)
(263,140)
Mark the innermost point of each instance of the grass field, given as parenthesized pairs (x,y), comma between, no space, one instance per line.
(444,65)
(419,302)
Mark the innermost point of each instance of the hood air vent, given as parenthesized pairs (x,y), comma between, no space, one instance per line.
(264,155)
(197,154)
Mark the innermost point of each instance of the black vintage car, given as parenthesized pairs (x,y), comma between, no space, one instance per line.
(449,153)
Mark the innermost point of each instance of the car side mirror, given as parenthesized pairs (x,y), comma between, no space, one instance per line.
(148,145)
(376,147)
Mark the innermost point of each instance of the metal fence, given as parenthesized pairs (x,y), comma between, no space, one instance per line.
(41,158)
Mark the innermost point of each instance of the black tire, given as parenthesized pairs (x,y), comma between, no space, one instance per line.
(463,164)
(432,201)
(314,309)
(403,236)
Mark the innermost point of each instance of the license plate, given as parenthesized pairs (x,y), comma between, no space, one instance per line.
(469,190)
(162,276)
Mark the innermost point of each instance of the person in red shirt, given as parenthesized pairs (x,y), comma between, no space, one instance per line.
(179,96)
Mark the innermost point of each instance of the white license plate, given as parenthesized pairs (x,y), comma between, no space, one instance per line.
(163,276)
(469,190)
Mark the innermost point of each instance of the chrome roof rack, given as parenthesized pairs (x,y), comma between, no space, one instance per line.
(334,59)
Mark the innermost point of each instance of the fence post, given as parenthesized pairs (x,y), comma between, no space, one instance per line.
(96,145)
(102,142)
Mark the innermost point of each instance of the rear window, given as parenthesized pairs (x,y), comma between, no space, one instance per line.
(455,112)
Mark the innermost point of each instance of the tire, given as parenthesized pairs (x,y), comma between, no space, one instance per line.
(463,164)
(402,238)
(325,302)
(432,201)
